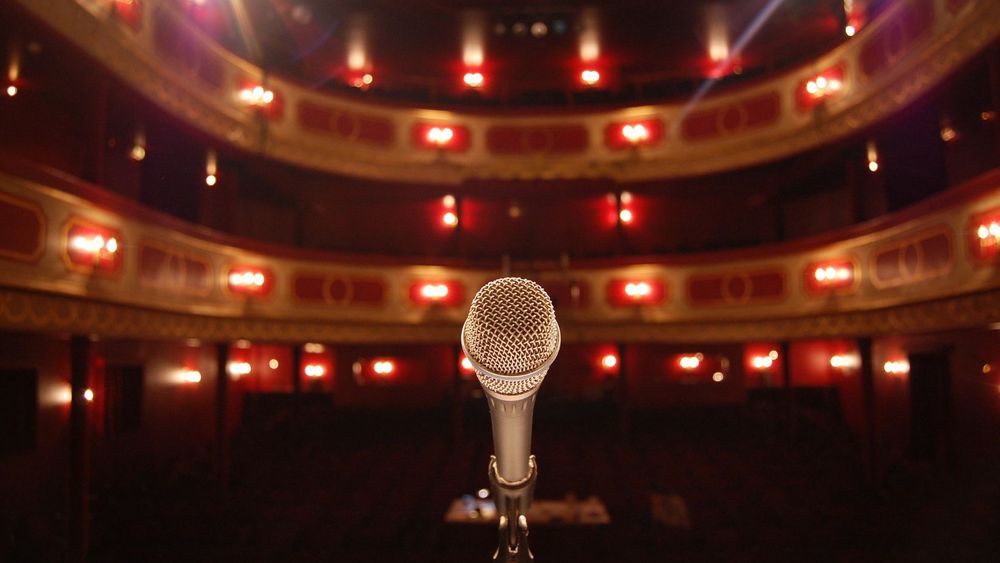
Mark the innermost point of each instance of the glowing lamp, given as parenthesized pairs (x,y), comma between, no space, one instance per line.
(631,292)
(191,376)
(896,367)
(450,219)
(88,395)
(985,235)
(718,377)
(440,136)
(831,275)
(872,152)
(383,367)
(12,90)
(273,364)
(239,369)
(138,153)
(436,292)
(849,30)
(314,370)
(690,362)
(625,216)
(820,87)
(638,290)
(590,77)
(92,249)
(249,281)
(844,361)
(210,180)
(609,361)
(256,96)
(313,348)
(473,79)
(762,363)
(635,133)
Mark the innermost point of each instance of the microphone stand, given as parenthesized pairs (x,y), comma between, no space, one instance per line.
(513,500)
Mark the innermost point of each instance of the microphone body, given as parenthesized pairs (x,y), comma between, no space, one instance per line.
(511,338)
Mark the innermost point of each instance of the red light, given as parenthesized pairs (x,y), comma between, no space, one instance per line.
(314,371)
(826,84)
(465,366)
(624,135)
(249,281)
(437,292)
(473,79)
(590,77)
(626,293)
(984,235)
(609,361)
(383,367)
(830,275)
(690,362)
(90,248)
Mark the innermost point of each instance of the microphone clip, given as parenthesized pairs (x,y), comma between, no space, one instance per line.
(513,501)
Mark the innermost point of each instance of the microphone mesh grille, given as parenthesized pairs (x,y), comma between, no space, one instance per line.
(511,330)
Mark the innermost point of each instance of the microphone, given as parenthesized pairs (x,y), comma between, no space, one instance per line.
(511,337)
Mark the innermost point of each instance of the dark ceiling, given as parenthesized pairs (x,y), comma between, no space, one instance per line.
(646,50)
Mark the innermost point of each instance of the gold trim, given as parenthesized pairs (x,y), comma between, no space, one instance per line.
(927,60)
(43,229)
(912,240)
(173,253)
(37,312)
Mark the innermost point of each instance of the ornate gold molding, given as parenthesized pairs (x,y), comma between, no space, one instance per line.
(37,312)
(951,40)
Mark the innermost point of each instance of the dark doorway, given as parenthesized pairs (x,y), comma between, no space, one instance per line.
(19,414)
(930,407)
(124,399)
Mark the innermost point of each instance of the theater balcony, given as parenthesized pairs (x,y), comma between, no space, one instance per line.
(238,241)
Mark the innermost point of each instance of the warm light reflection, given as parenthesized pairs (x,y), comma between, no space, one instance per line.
(849,30)
(313,348)
(718,377)
(314,370)
(12,90)
(473,39)
(466,364)
(191,376)
(246,279)
(590,47)
(239,369)
(761,363)
(88,395)
(717,33)
(273,364)
(356,34)
(872,153)
(450,219)
(590,77)
(625,215)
